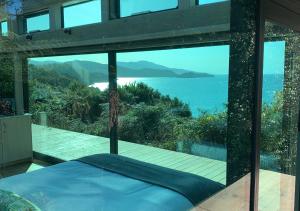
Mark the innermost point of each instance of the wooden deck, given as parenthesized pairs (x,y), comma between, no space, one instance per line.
(276,190)
(69,145)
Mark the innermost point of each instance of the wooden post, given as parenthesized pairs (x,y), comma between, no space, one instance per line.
(18,73)
(56,18)
(184,4)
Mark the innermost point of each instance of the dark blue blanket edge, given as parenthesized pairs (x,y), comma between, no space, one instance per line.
(194,188)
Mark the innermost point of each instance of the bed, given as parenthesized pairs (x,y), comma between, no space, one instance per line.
(110,182)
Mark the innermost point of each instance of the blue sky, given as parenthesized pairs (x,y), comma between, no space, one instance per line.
(213,60)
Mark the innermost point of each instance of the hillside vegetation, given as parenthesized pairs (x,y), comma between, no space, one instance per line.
(145,115)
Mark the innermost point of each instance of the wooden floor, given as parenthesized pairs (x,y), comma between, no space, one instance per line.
(276,193)
(19,169)
(276,190)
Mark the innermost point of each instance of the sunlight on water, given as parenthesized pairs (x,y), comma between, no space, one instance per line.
(121,82)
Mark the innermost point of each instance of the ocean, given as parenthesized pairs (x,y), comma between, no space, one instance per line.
(208,94)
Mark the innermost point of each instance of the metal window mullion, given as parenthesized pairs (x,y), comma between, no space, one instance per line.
(258,84)
(113,102)
(184,4)
(56,17)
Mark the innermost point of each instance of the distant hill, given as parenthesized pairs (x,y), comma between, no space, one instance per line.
(92,72)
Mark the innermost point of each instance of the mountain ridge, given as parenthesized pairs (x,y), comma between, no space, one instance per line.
(93,72)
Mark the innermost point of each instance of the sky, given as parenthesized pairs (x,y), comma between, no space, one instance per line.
(214,60)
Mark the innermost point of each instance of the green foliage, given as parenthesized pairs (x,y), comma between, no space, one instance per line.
(6,78)
(271,127)
(145,115)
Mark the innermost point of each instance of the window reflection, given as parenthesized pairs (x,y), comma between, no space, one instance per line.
(64,104)
(201,2)
(4,28)
(82,13)
(38,22)
(133,7)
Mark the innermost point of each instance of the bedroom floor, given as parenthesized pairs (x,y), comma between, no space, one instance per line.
(20,168)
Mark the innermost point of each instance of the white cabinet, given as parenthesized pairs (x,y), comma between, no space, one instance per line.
(15,139)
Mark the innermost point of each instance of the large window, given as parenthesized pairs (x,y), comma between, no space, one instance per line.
(87,12)
(69,116)
(133,7)
(38,22)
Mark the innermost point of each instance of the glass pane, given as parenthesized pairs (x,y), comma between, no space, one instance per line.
(4,28)
(38,23)
(279,120)
(201,2)
(82,13)
(67,111)
(173,109)
(132,7)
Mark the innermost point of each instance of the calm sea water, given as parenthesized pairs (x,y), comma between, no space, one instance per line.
(202,94)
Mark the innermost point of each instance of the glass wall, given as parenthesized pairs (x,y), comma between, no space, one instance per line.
(83,13)
(132,7)
(189,109)
(280,118)
(38,22)
(68,113)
